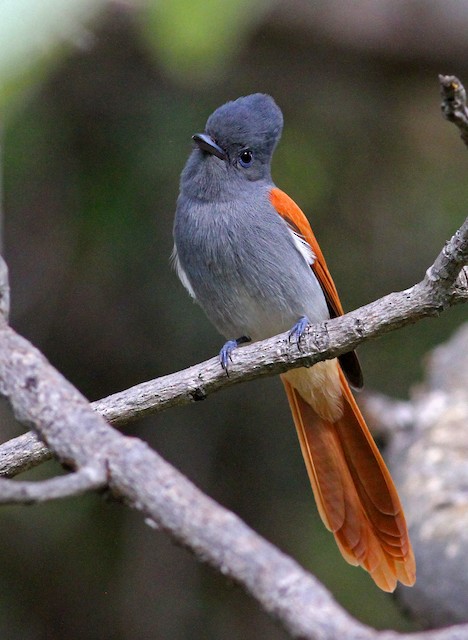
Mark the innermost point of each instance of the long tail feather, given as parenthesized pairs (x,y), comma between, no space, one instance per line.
(354,491)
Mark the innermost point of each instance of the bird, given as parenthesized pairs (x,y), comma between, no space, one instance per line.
(246,253)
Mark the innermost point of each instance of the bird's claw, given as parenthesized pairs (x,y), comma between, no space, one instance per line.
(227,349)
(298,331)
(225,354)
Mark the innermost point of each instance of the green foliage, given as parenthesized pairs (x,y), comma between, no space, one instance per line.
(195,39)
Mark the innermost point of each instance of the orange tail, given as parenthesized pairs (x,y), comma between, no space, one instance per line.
(354,491)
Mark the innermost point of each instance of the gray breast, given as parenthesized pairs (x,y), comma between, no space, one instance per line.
(242,265)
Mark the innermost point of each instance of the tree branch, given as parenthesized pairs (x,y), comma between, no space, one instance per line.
(81,438)
(327,340)
(88,478)
(22,453)
(428,298)
(454,103)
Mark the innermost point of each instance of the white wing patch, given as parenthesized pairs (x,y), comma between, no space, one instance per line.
(303,247)
(181,273)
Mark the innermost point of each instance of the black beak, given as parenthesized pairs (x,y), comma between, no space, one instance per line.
(206,143)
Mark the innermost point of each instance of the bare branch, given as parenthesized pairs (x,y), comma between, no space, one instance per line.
(86,479)
(81,438)
(275,355)
(324,341)
(454,103)
(22,453)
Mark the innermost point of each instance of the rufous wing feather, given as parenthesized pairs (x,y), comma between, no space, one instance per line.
(297,221)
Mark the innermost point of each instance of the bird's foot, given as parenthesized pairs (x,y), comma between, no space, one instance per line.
(298,331)
(228,348)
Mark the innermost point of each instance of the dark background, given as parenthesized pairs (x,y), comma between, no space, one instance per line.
(99,102)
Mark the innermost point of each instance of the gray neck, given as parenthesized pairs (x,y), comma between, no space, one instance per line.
(210,179)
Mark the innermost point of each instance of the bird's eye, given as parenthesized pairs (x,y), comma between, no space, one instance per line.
(245,158)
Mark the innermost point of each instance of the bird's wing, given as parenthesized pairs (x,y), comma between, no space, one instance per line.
(299,224)
(293,215)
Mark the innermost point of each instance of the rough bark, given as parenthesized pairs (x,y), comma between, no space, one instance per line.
(428,462)
(81,438)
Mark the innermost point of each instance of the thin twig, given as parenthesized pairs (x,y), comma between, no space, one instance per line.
(454,103)
(89,478)
(22,453)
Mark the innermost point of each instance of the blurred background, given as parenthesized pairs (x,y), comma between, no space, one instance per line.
(99,100)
